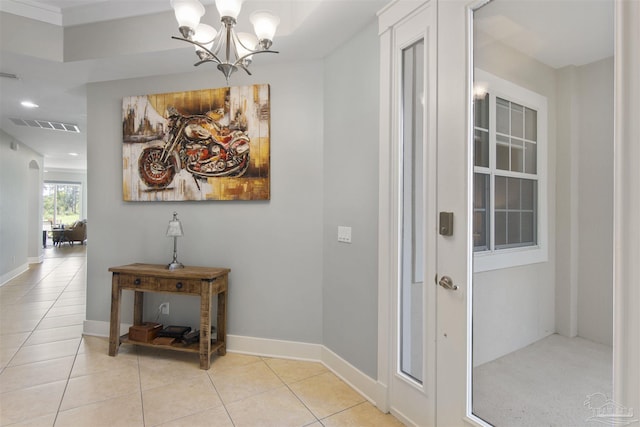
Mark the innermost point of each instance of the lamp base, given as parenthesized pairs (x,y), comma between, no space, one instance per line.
(175,265)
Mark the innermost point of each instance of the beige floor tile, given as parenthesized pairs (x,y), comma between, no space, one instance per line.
(65,302)
(47,351)
(69,294)
(15,326)
(43,421)
(41,305)
(94,362)
(326,394)
(241,382)
(277,408)
(32,402)
(93,388)
(41,336)
(179,399)
(91,343)
(48,297)
(123,411)
(161,367)
(216,417)
(362,415)
(44,293)
(291,371)
(14,313)
(61,321)
(13,340)
(32,374)
(12,292)
(231,360)
(50,286)
(63,311)
(6,354)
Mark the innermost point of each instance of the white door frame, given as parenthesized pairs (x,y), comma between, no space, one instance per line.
(453,116)
(626,210)
(400,25)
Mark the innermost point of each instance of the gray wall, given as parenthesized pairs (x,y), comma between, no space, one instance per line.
(595,201)
(350,290)
(584,290)
(20,206)
(273,248)
(290,278)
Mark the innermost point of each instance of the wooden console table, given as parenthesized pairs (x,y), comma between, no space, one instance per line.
(202,281)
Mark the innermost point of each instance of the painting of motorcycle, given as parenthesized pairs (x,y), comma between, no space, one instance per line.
(211,144)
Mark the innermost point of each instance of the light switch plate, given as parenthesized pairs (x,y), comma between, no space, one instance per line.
(344,234)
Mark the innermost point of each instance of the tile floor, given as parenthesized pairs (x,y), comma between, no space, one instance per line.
(50,375)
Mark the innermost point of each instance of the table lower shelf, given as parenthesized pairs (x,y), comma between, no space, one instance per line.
(177,346)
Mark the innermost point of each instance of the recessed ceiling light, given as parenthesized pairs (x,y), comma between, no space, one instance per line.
(29,104)
(73,154)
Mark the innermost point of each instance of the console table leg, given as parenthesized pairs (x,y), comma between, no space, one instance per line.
(222,322)
(114,327)
(205,326)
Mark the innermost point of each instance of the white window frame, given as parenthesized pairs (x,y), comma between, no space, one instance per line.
(494,259)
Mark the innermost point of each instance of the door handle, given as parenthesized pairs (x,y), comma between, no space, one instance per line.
(447,283)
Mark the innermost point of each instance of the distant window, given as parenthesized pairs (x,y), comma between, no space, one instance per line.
(509,191)
(62,202)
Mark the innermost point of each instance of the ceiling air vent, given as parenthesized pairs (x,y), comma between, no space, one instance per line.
(46,124)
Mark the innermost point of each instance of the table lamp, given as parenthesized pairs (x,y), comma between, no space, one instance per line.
(175,230)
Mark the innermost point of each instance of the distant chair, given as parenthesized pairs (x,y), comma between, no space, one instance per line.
(77,232)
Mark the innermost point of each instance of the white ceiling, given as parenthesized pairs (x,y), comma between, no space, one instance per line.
(310,29)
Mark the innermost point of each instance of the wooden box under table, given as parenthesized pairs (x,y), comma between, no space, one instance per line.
(204,282)
(145,332)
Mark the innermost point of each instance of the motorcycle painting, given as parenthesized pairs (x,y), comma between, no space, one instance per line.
(211,144)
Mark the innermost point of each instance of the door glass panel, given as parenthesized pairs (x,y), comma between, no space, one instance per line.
(542,327)
(412,267)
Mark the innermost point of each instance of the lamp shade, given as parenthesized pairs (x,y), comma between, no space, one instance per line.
(229,8)
(264,24)
(188,12)
(248,42)
(204,35)
(175,227)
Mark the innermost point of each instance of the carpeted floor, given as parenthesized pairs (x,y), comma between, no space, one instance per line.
(543,384)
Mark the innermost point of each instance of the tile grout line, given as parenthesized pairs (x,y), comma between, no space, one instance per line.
(224,405)
(294,393)
(43,316)
(66,384)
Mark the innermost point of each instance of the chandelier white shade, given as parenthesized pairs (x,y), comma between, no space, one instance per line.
(224,47)
(230,8)
(188,14)
(264,24)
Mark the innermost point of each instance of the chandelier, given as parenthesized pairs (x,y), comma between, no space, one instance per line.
(228,49)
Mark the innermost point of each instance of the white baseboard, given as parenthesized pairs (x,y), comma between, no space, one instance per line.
(36,259)
(96,328)
(13,273)
(371,389)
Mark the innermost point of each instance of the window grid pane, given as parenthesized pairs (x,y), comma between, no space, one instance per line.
(516,223)
(514,199)
(480,211)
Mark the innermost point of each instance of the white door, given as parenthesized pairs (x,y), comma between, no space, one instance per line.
(424,339)
(422,325)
